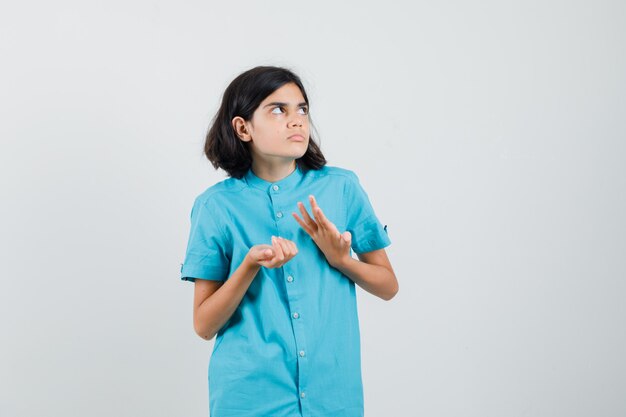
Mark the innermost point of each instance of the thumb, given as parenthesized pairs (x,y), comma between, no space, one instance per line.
(261,254)
(347,236)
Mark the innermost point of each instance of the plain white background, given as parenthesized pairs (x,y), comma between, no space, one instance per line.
(489,135)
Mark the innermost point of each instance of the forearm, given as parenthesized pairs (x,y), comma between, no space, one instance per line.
(217,309)
(374,279)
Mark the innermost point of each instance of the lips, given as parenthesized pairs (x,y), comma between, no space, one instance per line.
(296,138)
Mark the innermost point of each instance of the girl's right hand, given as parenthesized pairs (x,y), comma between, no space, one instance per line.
(273,256)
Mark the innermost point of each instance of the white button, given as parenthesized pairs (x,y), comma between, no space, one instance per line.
(301,353)
(279,214)
(275,187)
(296,315)
(289,278)
(302,395)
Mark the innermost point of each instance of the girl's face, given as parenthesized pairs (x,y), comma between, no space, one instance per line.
(279,129)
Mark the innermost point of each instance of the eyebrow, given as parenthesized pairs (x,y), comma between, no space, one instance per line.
(279,103)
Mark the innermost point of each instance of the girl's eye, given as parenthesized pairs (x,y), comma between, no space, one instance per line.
(304,110)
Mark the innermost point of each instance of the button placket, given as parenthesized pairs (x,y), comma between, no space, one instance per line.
(279,203)
(274,192)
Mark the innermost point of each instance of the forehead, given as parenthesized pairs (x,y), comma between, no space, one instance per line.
(288,93)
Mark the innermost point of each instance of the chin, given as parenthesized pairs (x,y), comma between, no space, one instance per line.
(300,155)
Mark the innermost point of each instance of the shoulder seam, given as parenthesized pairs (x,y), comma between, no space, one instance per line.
(341,172)
(204,196)
(205,201)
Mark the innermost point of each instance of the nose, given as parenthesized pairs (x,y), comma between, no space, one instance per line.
(297,122)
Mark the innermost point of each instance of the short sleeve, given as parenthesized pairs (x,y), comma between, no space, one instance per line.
(368,233)
(206,256)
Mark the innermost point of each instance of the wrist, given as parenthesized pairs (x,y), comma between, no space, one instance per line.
(342,262)
(249,263)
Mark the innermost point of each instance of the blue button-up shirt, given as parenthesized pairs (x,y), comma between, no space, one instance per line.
(292,346)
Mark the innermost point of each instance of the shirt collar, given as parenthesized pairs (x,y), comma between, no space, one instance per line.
(289,182)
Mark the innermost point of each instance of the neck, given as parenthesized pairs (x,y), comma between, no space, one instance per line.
(274,171)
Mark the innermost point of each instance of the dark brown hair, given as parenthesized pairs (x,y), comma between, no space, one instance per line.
(241,98)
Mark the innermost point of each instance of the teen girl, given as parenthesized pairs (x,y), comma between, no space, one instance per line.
(270,254)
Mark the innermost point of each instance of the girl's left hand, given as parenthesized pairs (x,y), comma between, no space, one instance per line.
(334,245)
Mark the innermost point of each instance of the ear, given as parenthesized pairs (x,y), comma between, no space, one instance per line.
(241,129)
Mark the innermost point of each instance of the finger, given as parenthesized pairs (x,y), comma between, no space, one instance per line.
(302,223)
(343,242)
(322,221)
(278,249)
(286,251)
(313,202)
(294,249)
(316,212)
(305,214)
(285,247)
(265,256)
(260,251)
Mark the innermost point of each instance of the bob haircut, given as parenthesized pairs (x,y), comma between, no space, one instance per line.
(224,148)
